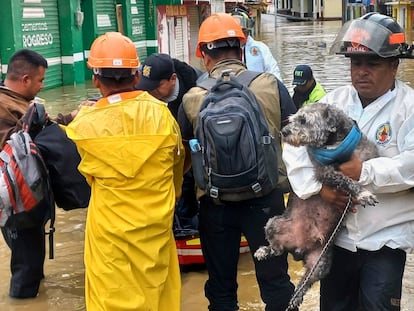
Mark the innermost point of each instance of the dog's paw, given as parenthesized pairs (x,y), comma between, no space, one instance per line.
(263,252)
(367,198)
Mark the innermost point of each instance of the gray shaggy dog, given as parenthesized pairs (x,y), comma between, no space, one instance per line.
(307,227)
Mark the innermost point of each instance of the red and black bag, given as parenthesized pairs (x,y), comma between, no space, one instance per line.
(26,197)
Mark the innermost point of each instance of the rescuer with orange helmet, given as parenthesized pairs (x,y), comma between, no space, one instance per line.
(113,58)
(132,157)
(219,31)
(370,250)
(222,223)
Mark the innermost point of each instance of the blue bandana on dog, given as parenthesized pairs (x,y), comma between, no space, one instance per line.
(341,153)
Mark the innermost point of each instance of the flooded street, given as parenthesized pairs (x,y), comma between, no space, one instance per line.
(63,287)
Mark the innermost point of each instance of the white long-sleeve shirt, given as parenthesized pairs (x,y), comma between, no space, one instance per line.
(258,57)
(388,122)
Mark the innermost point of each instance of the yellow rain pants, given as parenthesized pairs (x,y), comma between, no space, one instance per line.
(132,157)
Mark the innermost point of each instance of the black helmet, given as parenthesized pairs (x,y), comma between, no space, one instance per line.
(372,34)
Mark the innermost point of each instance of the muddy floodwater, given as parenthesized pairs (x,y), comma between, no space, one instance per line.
(63,287)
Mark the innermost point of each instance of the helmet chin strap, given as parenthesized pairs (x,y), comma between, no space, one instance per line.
(98,71)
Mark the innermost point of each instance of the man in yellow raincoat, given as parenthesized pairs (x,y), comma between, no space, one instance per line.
(132,157)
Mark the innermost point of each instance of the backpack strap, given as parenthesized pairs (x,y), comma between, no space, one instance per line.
(52,219)
(34,119)
(207,83)
(51,202)
(247,76)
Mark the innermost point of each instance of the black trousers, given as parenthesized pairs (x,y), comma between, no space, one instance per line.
(220,229)
(186,210)
(364,280)
(27,258)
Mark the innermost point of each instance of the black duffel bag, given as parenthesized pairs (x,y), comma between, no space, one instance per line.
(69,186)
(61,157)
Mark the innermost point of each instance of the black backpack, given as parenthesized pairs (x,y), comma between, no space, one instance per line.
(234,156)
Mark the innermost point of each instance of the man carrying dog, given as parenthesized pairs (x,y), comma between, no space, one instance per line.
(370,249)
(222,222)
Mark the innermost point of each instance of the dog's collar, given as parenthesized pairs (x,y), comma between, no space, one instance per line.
(341,153)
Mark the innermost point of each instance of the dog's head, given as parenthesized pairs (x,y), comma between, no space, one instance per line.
(317,125)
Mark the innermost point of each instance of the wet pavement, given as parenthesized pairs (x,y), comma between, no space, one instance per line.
(292,43)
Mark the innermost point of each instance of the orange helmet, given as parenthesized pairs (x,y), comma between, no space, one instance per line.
(113,50)
(217,28)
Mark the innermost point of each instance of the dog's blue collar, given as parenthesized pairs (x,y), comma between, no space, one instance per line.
(341,153)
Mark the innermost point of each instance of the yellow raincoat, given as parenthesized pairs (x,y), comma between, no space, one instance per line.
(132,157)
